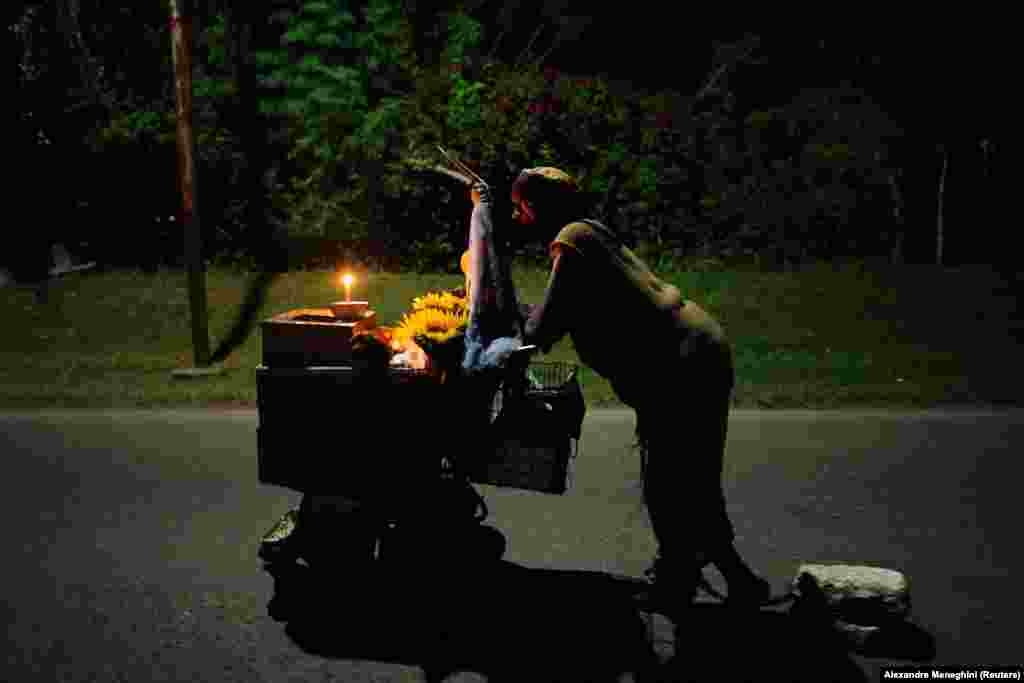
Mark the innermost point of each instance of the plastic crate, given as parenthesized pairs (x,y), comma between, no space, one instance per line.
(324,430)
(329,430)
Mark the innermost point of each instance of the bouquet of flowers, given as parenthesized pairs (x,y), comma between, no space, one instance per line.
(437,325)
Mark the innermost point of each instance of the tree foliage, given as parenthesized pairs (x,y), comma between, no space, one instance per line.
(722,168)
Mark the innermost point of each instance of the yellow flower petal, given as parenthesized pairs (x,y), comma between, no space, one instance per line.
(432,321)
(445,301)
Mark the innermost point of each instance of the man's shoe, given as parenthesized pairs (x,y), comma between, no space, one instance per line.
(673,585)
(750,595)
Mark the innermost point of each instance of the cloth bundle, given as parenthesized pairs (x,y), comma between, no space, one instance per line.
(495,327)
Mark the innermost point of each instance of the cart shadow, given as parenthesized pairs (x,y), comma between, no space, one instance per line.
(514,623)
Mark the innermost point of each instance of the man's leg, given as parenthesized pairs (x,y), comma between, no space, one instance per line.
(745,586)
(683,492)
(683,482)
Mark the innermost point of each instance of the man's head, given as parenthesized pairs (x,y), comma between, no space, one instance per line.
(546,198)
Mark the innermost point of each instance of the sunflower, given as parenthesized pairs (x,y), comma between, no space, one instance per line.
(435,325)
(444,301)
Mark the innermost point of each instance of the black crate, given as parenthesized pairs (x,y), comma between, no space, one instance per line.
(344,431)
(535,432)
(339,430)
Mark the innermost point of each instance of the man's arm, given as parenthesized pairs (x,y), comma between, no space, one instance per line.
(548,321)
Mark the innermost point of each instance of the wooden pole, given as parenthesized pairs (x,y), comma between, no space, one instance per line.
(940,232)
(181,42)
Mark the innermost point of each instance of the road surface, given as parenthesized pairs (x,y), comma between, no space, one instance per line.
(131,541)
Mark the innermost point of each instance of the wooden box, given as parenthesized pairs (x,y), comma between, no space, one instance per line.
(307,337)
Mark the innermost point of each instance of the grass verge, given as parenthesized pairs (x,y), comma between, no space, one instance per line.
(824,337)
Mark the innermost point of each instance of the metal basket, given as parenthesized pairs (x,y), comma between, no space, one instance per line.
(535,429)
(543,379)
(548,376)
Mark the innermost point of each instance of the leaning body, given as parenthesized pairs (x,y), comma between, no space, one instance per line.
(665,357)
(635,330)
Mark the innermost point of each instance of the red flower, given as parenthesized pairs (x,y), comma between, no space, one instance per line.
(550,73)
(535,108)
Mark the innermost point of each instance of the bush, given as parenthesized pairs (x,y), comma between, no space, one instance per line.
(436,255)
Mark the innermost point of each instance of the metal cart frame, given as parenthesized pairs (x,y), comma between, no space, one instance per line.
(356,465)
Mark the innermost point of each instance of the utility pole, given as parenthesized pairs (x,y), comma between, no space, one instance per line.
(940,231)
(181,48)
(372,160)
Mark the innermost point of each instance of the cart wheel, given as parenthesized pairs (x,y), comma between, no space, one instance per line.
(291,581)
(335,540)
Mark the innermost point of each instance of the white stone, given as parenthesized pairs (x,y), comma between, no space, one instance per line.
(857,594)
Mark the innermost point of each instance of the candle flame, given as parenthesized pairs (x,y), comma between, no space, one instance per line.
(347,280)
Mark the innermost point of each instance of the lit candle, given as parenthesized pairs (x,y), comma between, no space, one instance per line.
(347,281)
(349,311)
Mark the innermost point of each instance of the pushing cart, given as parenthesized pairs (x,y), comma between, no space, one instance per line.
(390,537)
(387,460)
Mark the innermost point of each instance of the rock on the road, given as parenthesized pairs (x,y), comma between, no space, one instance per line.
(866,596)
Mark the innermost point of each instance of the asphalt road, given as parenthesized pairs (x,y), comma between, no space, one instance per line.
(130,541)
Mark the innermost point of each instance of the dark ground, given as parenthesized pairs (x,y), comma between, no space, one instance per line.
(131,543)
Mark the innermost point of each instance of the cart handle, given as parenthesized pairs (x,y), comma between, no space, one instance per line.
(514,382)
(519,359)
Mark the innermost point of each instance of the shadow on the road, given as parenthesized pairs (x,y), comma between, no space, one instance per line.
(513,623)
(509,623)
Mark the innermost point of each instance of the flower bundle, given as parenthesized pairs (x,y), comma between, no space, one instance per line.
(443,301)
(437,324)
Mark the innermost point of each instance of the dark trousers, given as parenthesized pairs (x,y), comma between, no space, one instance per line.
(683,433)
